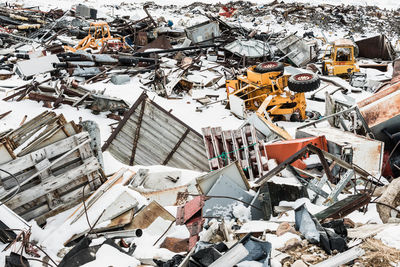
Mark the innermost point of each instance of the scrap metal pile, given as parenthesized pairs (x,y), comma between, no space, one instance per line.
(288,155)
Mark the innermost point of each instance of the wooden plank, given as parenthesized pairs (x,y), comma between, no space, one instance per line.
(38,172)
(127,114)
(137,133)
(59,133)
(53,183)
(5,154)
(69,200)
(50,152)
(176,147)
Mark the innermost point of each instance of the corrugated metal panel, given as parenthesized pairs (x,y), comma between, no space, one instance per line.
(248,48)
(297,49)
(203,32)
(162,140)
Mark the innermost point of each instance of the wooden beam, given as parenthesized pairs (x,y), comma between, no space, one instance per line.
(137,133)
(127,115)
(176,147)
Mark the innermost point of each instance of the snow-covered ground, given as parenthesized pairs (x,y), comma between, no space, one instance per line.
(64,4)
(58,228)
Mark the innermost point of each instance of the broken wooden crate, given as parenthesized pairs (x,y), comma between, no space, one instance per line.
(50,179)
(42,130)
(150,135)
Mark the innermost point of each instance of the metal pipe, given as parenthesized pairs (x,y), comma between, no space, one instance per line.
(119,234)
(197,47)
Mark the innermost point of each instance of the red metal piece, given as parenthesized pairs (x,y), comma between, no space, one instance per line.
(284,149)
(387,171)
(190,210)
(191,214)
(229,11)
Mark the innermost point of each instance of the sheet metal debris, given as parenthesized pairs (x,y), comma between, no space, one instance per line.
(222,193)
(151,124)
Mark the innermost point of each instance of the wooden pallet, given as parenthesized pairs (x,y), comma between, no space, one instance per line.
(225,147)
(51,178)
(42,130)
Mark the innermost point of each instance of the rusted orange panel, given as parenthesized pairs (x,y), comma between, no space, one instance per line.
(381,94)
(381,106)
(284,149)
(396,71)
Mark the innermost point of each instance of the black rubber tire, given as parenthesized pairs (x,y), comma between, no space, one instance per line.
(269,67)
(304,82)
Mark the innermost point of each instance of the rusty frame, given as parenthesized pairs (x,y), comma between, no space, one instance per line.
(344,207)
(137,133)
(323,156)
(176,147)
(127,115)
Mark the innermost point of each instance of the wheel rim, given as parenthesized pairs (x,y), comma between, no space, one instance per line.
(303,77)
(268,65)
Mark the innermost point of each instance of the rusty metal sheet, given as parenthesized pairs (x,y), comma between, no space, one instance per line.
(176,245)
(166,197)
(141,39)
(381,112)
(203,32)
(376,47)
(190,210)
(145,217)
(367,153)
(344,207)
(161,43)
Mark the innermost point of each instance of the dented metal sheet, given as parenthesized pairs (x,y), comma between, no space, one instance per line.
(297,50)
(233,171)
(366,153)
(248,48)
(381,112)
(376,47)
(166,197)
(124,202)
(223,207)
(150,135)
(28,68)
(203,32)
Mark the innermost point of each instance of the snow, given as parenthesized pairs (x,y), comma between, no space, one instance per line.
(145,248)
(118,258)
(249,264)
(258,226)
(279,241)
(390,236)
(59,228)
(371,216)
(114,7)
(241,212)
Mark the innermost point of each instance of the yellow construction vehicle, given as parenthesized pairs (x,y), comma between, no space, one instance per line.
(266,90)
(98,36)
(340,59)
